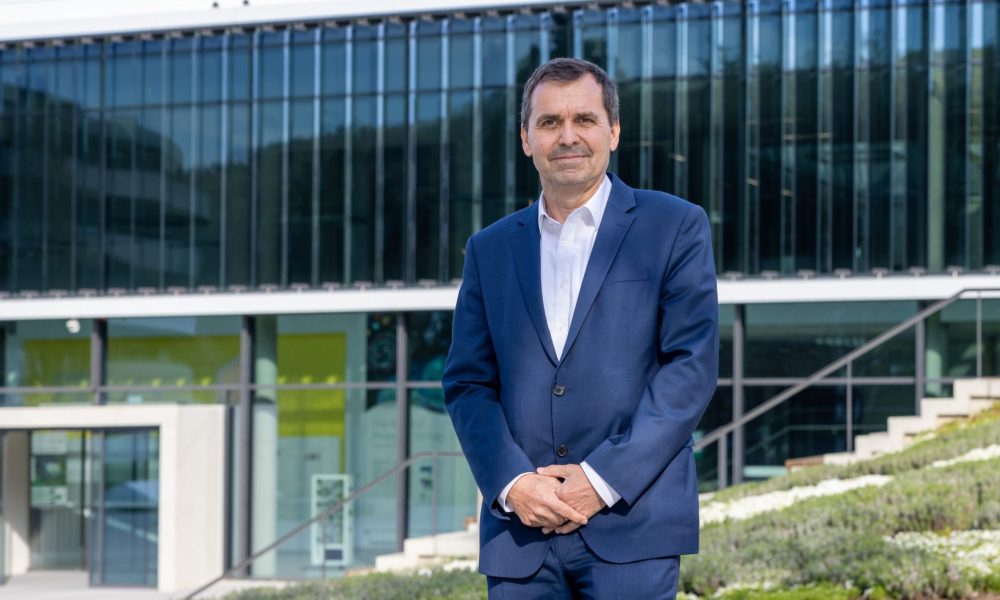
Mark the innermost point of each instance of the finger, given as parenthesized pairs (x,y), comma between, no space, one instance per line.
(547,531)
(567,512)
(567,528)
(560,471)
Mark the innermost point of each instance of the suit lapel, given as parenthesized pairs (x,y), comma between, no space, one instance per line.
(525,244)
(614,225)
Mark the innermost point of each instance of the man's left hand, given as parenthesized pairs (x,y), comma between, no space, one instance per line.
(575,491)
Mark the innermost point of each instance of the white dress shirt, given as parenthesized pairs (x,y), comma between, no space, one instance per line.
(565,252)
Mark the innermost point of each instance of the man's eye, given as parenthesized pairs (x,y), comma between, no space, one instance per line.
(586,120)
(547,123)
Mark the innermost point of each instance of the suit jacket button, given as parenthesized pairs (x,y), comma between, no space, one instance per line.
(562,450)
(559,390)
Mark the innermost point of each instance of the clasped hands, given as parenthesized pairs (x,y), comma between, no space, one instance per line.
(556,498)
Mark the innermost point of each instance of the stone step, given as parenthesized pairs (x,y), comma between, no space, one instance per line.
(872,444)
(454,544)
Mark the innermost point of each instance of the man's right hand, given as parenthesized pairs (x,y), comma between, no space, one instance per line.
(534,500)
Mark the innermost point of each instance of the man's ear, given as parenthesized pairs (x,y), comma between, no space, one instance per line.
(616,131)
(524,141)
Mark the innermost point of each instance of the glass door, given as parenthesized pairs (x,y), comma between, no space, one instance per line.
(58,500)
(125,531)
(3,538)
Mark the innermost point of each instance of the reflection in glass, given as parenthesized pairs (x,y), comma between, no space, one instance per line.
(47,354)
(172,353)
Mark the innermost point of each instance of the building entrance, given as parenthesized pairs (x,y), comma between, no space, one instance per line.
(94,499)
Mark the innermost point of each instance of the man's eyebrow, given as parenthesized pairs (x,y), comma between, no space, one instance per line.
(545,117)
(554,117)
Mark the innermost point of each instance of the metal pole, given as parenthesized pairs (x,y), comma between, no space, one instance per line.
(244,414)
(739,338)
(920,361)
(979,334)
(403,424)
(850,407)
(98,362)
(97,570)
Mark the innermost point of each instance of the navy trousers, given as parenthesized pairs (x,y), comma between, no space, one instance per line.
(571,571)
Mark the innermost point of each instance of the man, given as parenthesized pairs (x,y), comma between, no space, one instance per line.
(584,352)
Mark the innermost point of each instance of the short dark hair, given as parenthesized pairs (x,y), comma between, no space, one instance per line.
(566,70)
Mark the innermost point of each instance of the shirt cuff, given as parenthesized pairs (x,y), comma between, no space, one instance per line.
(605,491)
(502,498)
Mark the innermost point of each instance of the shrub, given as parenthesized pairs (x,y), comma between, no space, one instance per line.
(436,584)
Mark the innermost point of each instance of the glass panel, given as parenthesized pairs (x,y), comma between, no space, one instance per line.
(166,353)
(270,153)
(59,499)
(874,404)
(303,72)
(299,261)
(150,164)
(127,537)
(395,183)
(794,340)
(120,194)
(428,165)
(428,337)
(312,447)
(176,217)
(47,354)
(719,412)
(362,197)
(727,312)
(812,423)
(237,198)
(951,341)
(442,492)
(331,201)
(207,215)
(334,62)
(460,174)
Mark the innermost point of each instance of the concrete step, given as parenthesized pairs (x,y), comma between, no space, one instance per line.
(454,544)
(872,444)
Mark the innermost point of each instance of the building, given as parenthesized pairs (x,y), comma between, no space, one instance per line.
(230,235)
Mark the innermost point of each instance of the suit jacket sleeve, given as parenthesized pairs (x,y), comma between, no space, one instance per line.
(688,352)
(472,393)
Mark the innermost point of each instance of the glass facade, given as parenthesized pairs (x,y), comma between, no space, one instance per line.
(818,135)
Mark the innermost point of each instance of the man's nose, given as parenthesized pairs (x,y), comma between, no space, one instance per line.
(567,133)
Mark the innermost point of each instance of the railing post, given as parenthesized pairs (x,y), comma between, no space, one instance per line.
(723,462)
(850,407)
(920,361)
(979,334)
(738,408)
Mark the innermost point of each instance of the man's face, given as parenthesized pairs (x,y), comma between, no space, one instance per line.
(568,135)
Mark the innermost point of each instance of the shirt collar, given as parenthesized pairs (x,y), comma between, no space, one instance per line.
(594,206)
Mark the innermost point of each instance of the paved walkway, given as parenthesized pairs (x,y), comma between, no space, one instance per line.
(73,585)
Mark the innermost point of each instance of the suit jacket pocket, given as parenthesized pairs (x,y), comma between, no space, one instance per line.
(625,276)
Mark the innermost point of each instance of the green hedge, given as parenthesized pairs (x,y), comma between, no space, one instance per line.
(838,539)
(434,585)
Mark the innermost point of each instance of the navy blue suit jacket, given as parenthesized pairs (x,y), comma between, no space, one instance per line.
(638,369)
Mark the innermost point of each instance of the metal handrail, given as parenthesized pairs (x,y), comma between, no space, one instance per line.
(361,491)
(720,432)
